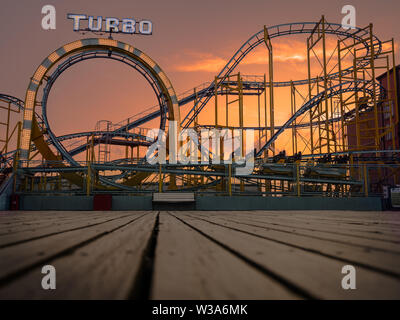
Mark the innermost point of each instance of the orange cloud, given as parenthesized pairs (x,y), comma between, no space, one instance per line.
(284,51)
(202,62)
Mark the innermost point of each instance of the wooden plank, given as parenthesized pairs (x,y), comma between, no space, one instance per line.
(13,216)
(335,216)
(190,266)
(386,261)
(103,269)
(17,259)
(377,218)
(380,223)
(15,222)
(390,233)
(313,233)
(45,221)
(35,232)
(369,231)
(317,274)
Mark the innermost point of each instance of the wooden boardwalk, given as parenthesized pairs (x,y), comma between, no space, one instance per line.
(200,255)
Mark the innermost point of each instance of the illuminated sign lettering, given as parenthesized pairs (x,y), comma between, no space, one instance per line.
(112,25)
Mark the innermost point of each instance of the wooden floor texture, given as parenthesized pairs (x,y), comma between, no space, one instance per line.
(200,255)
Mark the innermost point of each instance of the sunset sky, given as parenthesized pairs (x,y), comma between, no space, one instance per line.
(191,41)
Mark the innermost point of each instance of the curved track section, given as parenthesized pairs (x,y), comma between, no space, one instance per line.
(97,54)
(38,130)
(85,45)
(13,100)
(31,129)
(274,32)
(350,86)
(20,105)
(206,93)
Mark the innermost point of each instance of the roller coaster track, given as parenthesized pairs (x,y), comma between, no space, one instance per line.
(13,100)
(82,56)
(5,158)
(250,86)
(349,86)
(256,83)
(253,85)
(274,32)
(347,115)
(122,130)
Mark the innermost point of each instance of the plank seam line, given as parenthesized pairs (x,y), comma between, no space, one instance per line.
(299,215)
(331,232)
(326,231)
(38,224)
(141,287)
(315,237)
(55,233)
(329,222)
(284,282)
(360,264)
(20,272)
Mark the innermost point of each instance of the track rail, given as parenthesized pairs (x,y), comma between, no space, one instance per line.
(253,85)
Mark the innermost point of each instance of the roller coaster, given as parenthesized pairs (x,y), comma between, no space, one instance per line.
(342,126)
